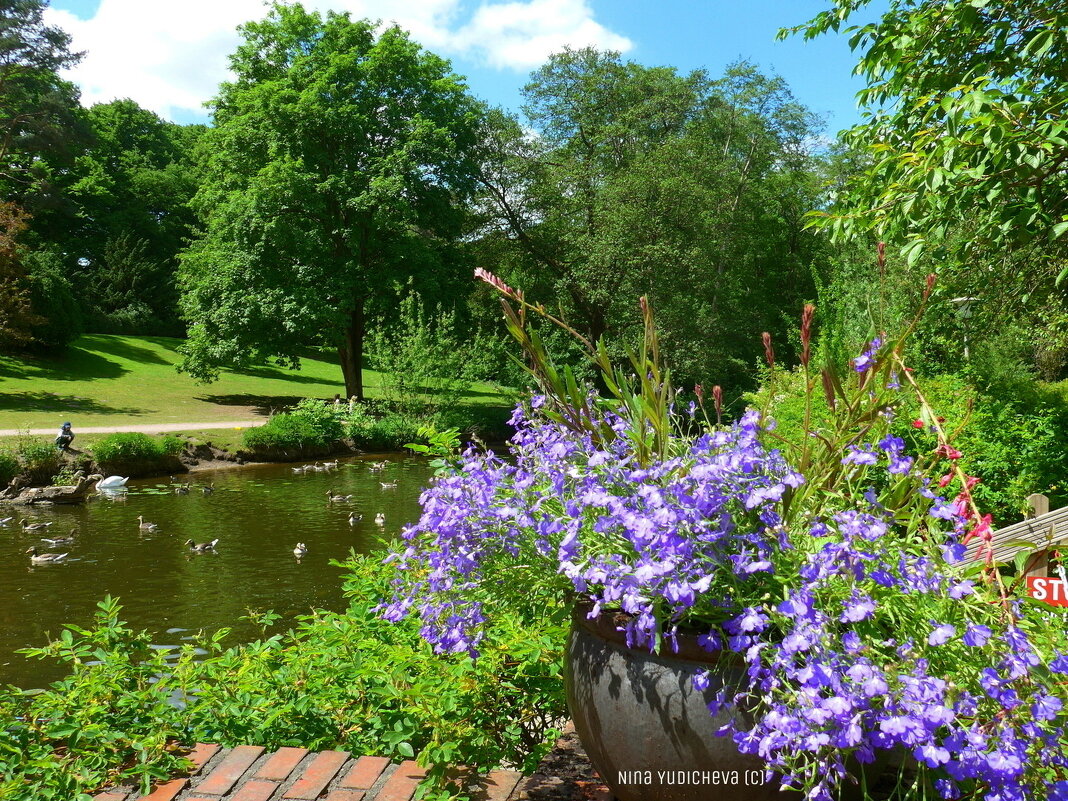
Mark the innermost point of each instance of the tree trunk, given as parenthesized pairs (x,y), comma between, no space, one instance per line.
(351,353)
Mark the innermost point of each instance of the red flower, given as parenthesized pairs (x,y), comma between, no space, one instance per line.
(948,451)
(917,424)
(981,530)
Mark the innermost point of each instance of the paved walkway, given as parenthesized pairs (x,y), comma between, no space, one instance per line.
(144,428)
(249,773)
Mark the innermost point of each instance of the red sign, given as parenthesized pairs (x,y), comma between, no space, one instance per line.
(1052,591)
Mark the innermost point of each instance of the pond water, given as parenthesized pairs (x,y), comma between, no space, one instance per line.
(258,513)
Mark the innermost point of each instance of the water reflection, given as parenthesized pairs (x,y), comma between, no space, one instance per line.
(258,514)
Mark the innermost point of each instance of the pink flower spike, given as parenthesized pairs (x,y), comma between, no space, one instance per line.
(971,481)
(494,281)
(943,482)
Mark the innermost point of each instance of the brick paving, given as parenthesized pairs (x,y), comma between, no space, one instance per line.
(250,773)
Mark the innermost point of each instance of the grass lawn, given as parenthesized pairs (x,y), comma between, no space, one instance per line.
(106,380)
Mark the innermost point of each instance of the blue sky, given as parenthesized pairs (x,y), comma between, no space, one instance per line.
(169,55)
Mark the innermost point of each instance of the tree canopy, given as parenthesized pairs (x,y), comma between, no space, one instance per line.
(967,128)
(333,172)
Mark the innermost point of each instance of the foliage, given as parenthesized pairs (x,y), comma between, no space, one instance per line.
(38,460)
(16,311)
(348,681)
(53,298)
(426,366)
(830,570)
(373,427)
(966,128)
(641,180)
(134,446)
(1009,440)
(9,467)
(311,423)
(133,187)
(112,716)
(336,168)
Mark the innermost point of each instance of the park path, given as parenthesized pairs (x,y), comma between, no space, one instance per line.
(144,428)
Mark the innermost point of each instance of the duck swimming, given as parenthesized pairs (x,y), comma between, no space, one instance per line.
(300,550)
(380,518)
(62,540)
(146,526)
(337,498)
(354,518)
(45,558)
(201,547)
(28,526)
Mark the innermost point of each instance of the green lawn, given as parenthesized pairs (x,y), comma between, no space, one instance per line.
(105,380)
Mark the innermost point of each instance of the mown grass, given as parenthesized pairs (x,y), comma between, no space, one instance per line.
(107,380)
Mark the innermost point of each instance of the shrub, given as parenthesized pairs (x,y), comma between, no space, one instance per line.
(9,467)
(1012,441)
(372,428)
(38,460)
(133,446)
(311,423)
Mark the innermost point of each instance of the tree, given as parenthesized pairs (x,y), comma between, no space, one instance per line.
(966,128)
(133,187)
(335,170)
(35,105)
(641,181)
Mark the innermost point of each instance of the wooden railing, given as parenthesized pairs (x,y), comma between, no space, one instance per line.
(1043,530)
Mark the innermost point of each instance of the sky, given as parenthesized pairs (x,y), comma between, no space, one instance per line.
(170,55)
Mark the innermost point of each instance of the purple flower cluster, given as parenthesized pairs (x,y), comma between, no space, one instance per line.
(880,643)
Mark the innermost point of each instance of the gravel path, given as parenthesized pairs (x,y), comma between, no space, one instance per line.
(146,428)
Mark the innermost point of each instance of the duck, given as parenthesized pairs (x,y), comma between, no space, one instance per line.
(113,482)
(378,465)
(201,547)
(380,518)
(388,484)
(337,498)
(331,465)
(5,520)
(62,540)
(146,526)
(45,558)
(207,489)
(181,489)
(303,469)
(300,550)
(28,526)
(354,518)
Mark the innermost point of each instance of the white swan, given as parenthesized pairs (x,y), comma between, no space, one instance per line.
(112,482)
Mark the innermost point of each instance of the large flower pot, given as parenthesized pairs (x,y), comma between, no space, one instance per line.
(647,731)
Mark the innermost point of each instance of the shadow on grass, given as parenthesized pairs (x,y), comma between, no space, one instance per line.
(74,364)
(280,374)
(124,349)
(264,405)
(65,404)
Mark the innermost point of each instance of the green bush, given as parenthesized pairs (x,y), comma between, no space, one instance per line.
(9,467)
(352,681)
(133,446)
(311,423)
(37,460)
(373,429)
(1013,441)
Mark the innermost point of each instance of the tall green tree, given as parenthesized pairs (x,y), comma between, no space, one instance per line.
(41,131)
(336,169)
(642,181)
(133,189)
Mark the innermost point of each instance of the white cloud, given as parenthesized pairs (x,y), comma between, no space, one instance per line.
(170,56)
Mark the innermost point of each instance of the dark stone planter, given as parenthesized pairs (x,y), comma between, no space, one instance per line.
(647,731)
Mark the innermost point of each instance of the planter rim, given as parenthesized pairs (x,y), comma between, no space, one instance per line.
(608,622)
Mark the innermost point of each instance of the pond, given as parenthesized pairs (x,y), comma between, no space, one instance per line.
(258,513)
